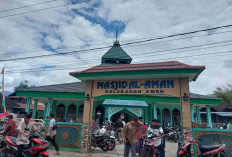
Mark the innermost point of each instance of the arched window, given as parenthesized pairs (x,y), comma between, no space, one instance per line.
(60,112)
(72,111)
(158,114)
(80,111)
(176,117)
(166,117)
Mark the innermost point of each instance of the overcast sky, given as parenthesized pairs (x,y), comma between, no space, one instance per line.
(89,24)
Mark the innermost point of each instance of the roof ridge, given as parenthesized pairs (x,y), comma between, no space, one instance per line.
(49,85)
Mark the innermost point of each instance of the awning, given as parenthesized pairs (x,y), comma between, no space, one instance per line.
(130,103)
(224,114)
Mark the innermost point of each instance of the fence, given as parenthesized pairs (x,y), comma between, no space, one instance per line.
(212,137)
(217,125)
(68,135)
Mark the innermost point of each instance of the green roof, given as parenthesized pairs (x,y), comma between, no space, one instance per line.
(116,53)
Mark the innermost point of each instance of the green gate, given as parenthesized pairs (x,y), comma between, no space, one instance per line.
(68,136)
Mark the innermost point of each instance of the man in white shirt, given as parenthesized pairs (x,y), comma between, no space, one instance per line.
(51,135)
(158,131)
(24,129)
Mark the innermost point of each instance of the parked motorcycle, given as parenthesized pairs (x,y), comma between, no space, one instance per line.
(206,150)
(171,134)
(37,146)
(110,138)
(98,140)
(151,144)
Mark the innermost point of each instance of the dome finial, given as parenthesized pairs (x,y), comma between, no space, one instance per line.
(116,43)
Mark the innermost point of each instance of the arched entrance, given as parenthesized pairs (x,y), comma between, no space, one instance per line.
(72,111)
(166,117)
(99,114)
(60,112)
(176,117)
(126,113)
(80,111)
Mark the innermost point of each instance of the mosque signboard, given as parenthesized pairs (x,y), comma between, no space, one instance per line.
(160,86)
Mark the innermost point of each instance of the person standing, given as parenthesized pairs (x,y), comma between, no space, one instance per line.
(24,129)
(230,127)
(164,130)
(158,131)
(10,128)
(140,136)
(66,119)
(107,122)
(51,135)
(129,134)
(119,126)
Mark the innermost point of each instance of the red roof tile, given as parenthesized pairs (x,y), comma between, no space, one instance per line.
(40,107)
(137,67)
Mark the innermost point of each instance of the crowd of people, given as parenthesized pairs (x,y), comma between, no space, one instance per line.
(133,133)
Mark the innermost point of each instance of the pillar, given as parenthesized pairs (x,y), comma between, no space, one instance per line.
(48,107)
(185,105)
(209,119)
(106,114)
(171,117)
(54,109)
(150,114)
(87,118)
(27,109)
(45,107)
(161,116)
(198,116)
(146,115)
(94,111)
(35,108)
(192,113)
(154,111)
(66,111)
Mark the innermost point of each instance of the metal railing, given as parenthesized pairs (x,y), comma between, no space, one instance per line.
(218,125)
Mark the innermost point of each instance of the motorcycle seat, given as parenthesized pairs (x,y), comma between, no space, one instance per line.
(98,135)
(209,147)
(13,139)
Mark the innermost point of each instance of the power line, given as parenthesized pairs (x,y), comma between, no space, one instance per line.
(26,6)
(198,55)
(58,6)
(45,50)
(129,43)
(94,61)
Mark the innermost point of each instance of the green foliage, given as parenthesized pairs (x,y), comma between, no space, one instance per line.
(24,84)
(224,93)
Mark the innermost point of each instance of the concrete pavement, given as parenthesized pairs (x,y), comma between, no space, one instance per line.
(170,149)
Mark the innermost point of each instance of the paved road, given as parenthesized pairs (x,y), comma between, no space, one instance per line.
(118,152)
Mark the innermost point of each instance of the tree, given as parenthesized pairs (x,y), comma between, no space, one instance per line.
(224,93)
(24,84)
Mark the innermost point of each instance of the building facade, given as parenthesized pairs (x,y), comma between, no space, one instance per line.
(117,88)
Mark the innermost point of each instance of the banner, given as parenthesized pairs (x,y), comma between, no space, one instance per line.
(3,94)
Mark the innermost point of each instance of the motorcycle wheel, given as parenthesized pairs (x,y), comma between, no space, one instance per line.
(105,147)
(187,155)
(146,152)
(222,154)
(42,155)
(175,139)
(111,144)
(1,154)
(172,137)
